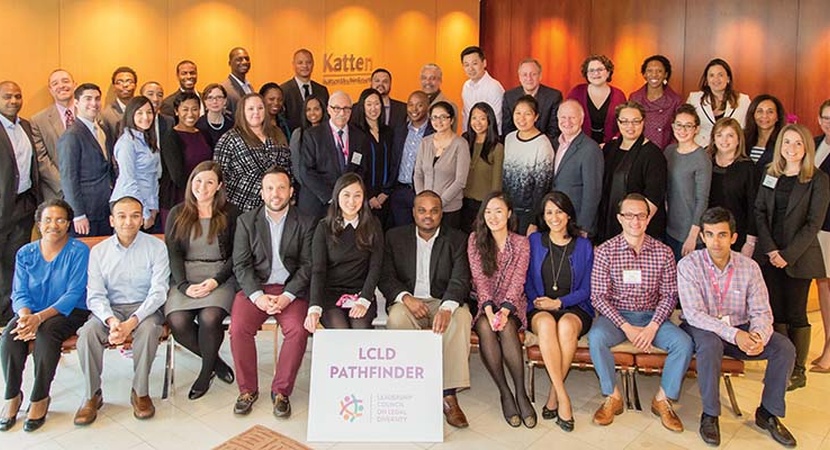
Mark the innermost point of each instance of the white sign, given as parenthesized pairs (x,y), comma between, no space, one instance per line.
(376,386)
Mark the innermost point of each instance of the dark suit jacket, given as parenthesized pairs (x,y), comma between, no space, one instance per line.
(167,105)
(252,252)
(321,165)
(111,122)
(47,127)
(397,114)
(825,166)
(86,176)
(235,94)
(806,211)
(293,100)
(548,99)
(10,177)
(449,271)
(580,176)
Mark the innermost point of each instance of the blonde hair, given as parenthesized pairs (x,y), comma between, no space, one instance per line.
(778,165)
(728,122)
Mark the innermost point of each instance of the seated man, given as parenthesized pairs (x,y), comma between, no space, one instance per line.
(272,263)
(129,275)
(426,277)
(726,312)
(634,290)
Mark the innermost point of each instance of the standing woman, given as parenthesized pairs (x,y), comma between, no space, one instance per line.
(486,162)
(528,163)
(137,156)
(659,100)
(599,99)
(274,102)
(369,116)
(717,99)
(790,209)
(498,265)
(49,303)
(822,363)
(315,114)
(443,162)
(346,258)
(558,289)
(216,121)
(632,164)
(690,176)
(734,182)
(766,118)
(249,149)
(199,237)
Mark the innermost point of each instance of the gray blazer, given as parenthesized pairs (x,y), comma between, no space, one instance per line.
(580,177)
(47,127)
(447,176)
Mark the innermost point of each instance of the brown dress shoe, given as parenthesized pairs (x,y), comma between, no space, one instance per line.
(142,406)
(663,409)
(611,407)
(88,412)
(453,413)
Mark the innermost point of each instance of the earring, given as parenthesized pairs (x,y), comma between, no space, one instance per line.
(665,82)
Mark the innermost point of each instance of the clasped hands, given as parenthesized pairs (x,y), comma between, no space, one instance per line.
(420,310)
(27,326)
(202,289)
(120,331)
(776,259)
(497,320)
(750,343)
(641,337)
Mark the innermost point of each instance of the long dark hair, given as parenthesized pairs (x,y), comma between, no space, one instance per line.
(492,137)
(305,124)
(359,111)
(187,222)
(485,242)
(730,96)
(751,131)
(128,120)
(564,203)
(367,225)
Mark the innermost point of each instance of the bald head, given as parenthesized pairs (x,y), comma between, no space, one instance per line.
(570,116)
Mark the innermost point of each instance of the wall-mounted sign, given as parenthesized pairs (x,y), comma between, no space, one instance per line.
(347,69)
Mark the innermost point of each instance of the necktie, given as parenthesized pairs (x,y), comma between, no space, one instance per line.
(102,140)
(69,118)
(342,147)
(306,91)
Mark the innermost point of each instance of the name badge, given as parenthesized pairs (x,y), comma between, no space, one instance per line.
(726,320)
(356,158)
(770,181)
(632,276)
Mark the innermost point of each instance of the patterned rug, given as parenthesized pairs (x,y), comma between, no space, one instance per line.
(261,438)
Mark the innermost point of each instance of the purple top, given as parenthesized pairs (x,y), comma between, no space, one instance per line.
(580,94)
(195,149)
(659,114)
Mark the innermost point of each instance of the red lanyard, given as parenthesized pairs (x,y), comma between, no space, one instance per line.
(720,294)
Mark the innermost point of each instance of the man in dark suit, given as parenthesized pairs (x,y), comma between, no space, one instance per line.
(272,263)
(429,290)
(19,188)
(237,85)
(124,83)
(187,75)
(300,87)
(530,76)
(329,150)
(85,165)
(395,109)
(47,126)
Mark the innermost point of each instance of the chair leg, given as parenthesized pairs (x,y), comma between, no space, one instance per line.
(624,382)
(531,382)
(727,380)
(168,369)
(634,391)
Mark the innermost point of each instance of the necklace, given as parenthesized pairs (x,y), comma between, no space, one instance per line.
(221,124)
(556,271)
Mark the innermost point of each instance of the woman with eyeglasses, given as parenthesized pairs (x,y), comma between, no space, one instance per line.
(216,121)
(690,175)
(822,363)
(717,99)
(633,164)
(599,99)
(658,98)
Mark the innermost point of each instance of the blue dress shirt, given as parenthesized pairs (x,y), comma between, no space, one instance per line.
(61,283)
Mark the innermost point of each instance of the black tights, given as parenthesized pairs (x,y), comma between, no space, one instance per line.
(338,318)
(500,348)
(201,332)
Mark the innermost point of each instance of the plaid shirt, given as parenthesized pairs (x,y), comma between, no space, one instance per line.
(243,166)
(746,301)
(657,290)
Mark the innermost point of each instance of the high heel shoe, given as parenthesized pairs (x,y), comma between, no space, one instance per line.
(8,421)
(549,414)
(223,371)
(199,393)
(30,425)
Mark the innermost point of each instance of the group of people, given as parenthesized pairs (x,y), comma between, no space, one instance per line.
(298,204)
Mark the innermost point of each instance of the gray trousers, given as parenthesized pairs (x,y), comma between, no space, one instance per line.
(92,341)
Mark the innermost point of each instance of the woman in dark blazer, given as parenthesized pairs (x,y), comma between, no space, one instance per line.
(822,363)
(790,209)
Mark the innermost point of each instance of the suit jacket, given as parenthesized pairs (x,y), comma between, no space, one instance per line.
(449,271)
(173,180)
(10,176)
(252,251)
(234,92)
(548,100)
(707,116)
(825,166)
(580,176)
(397,114)
(293,100)
(86,176)
(47,127)
(111,122)
(167,105)
(321,164)
(806,212)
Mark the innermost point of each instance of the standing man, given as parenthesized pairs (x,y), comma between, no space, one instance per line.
(300,87)
(429,291)
(480,87)
(48,125)
(634,290)
(19,188)
(395,109)
(187,75)
(124,83)
(85,164)
(530,77)
(401,201)
(726,311)
(128,280)
(431,79)
(272,262)
(237,85)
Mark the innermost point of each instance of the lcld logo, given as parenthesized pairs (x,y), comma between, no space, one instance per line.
(351,408)
(346,69)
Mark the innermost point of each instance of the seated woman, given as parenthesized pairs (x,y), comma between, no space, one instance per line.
(598,99)
(368,115)
(658,98)
(216,121)
(486,162)
(498,265)
(717,99)
(274,104)
(558,289)
(49,302)
(199,238)
(347,254)
(766,117)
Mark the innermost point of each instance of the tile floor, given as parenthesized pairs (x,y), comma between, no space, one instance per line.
(206,422)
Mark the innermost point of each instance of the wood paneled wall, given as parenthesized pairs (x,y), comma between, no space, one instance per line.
(781,47)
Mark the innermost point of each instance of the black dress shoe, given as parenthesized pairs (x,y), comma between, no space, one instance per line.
(549,414)
(224,372)
(30,425)
(766,421)
(6,423)
(565,425)
(709,429)
(196,393)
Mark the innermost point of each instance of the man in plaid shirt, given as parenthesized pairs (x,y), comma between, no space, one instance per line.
(634,289)
(726,311)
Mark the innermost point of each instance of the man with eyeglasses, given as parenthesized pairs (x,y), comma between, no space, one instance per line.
(124,83)
(329,151)
(634,290)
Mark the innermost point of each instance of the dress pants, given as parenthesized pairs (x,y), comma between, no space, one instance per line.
(246,319)
(401,202)
(16,233)
(455,340)
(604,335)
(92,341)
(710,348)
